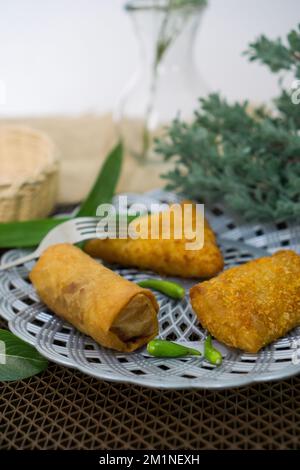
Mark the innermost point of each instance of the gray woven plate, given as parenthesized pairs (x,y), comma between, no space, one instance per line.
(59,342)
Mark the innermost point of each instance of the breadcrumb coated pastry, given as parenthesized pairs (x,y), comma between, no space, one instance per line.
(251,305)
(165,256)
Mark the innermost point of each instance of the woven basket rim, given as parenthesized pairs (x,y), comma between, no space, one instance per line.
(11,190)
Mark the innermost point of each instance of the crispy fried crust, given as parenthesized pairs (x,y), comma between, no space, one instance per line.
(117,313)
(249,306)
(163,256)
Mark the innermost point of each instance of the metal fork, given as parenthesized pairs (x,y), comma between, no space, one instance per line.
(73,231)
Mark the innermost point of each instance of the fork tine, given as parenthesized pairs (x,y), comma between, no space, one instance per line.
(89,236)
(89,232)
(89,225)
(86,221)
(83,221)
(96,233)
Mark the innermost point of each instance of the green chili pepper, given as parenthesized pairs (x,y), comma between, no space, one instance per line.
(210,353)
(163,348)
(171,289)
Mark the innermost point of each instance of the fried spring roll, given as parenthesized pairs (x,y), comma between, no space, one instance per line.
(165,256)
(115,312)
(251,305)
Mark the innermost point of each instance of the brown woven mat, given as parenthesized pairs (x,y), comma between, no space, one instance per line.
(65,409)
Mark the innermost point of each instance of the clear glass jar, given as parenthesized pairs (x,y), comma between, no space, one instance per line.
(167,82)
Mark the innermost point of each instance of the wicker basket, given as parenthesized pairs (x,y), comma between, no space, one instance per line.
(29,174)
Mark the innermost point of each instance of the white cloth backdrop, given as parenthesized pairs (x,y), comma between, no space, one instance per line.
(73,56)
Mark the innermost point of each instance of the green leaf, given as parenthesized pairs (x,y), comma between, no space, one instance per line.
(26,234)
(250,161)
(21,359)
(274,53)
(105,184)
(271,53)
(30,233)
(244,156)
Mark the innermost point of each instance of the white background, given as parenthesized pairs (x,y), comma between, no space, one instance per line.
(74,56)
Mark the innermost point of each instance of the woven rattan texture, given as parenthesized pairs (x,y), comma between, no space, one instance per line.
(29,183)
(65,409)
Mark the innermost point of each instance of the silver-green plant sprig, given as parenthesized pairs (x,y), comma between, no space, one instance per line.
(243,156)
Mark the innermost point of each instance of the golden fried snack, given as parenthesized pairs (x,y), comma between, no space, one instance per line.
(117,313)
(166,256)
(251,305)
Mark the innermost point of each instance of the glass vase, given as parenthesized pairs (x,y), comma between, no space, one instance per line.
(167,82)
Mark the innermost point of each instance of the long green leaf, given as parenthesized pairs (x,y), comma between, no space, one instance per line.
(18,360)
(105,184)
(26,234)
(30,233)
